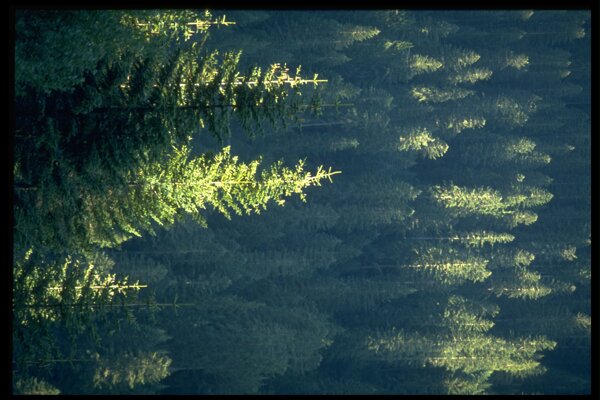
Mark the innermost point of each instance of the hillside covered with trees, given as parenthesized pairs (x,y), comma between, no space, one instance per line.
(301,202)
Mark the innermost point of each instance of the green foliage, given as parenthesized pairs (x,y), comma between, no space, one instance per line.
(527,286)
(466,58)
(399,346)
(358,296)
(212,91)
(361,33)
(140,268)
(430,94)
(438,29)
(486,201)
(69,293)
(421,64)
(478,353)
(450,268)
(458,125)
(420,140)
(479,238)
(174,25)
(42,60)
(483,201)
(369,287)
(584,322)
(517,61)
(33,386)
(161,192)
(472,354)
(91,36)
(462,317)
(520,217)
(530,197)
(398,45)
(469,384)
(471,76)
(258,343)
(130,370)
(50,290)
(219,181)
(522,150)
(513,112)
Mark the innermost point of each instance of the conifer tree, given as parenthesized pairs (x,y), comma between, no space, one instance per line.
(421,64)
(421,141)
(431,94)
(129,370)
(471,76)
(457,383)
(33,386)
(464,316)
(70,291)
(448,267)
(525,285)
(471,353)
(480,201)
(160,191)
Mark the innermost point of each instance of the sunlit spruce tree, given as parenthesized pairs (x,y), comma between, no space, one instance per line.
(71,294)
(450,266)
(160,192)
(511,208)
(33,386)
(421,141)
(129,371)
(469,350)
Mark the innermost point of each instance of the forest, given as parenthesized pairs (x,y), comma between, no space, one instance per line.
(301,202)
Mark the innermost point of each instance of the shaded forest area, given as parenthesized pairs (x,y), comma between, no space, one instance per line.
(181,225)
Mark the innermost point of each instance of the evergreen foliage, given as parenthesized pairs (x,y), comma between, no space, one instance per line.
(452,256)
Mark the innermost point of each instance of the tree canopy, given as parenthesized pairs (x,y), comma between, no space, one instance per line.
(291,202)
